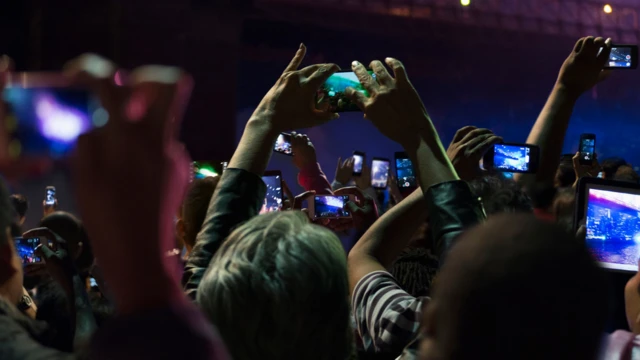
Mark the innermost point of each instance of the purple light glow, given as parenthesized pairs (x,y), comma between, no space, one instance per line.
(58,122)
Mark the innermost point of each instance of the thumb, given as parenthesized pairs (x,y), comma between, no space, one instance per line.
(322,117)
(44,251)
(352,207)
(339,163)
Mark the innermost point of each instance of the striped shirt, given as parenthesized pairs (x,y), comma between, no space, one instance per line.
(387,317)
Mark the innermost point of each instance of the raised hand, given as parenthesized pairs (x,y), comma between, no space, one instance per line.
(290,103)
(136,156)
(344,170)
(581,170)
(364,180)
(303,151)
(58,262)
(393,105)
(584,67)
(467,148)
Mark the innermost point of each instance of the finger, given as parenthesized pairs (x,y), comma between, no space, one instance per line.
(588,47)
(288,193)
(98,73)
(578,46)
(606,51)
(42,232)
(576,160)
(382,75)
(44,251)
(399,71)
(159,93)
(340,163)
(350,190)
(297,59)
(484,146)
(298,200)
(461,133)
(356,97)
(475,134)
(6,63)
(366,80)
(318,77)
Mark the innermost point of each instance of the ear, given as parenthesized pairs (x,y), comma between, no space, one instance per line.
(7,254)
(180,232)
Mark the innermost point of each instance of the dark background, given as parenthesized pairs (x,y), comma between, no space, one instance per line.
(491,65)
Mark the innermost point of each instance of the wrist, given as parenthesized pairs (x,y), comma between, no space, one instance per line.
(567,92)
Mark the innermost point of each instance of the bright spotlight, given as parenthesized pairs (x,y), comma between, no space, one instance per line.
(607,9)
(465,2)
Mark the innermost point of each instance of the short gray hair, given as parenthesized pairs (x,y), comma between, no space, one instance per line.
(278,289)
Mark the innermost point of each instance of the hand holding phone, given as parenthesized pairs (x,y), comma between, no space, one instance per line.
(515,158)
(358,162)
(379,173)
(405,173)
(587,148)
(622,57)
(331,96)
(283,144)
(330,207)
(273,200)
(50,195)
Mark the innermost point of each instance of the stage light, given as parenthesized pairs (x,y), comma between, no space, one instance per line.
(608,9)
(465,2)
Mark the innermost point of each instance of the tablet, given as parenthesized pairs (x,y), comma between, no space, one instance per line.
(610,211)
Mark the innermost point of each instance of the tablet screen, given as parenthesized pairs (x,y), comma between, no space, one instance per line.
(612,220)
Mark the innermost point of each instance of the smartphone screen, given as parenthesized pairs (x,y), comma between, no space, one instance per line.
(26,250)
(331,97)
(358,161)
(331,206)
(623,57)
(47,121)
(283,144)
(404,172)
(379,173)
(93,283)
(224,164)
(203,169)
(587,148)
(273,200)
(50,195)
(513,158)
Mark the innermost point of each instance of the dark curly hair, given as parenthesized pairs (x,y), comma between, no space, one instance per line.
(501,195)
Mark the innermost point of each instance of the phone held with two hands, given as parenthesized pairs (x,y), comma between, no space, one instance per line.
(622,57)
(26,250)
(358,162)
(330,207)
(587,149)
(273,201)
(513,158)
(405,173)
(380,173)
(283,144)
(331,96)
(46,112)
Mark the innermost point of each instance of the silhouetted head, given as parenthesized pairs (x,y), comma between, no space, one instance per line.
(516,288)
(194,209)
(20,205)
(72,231)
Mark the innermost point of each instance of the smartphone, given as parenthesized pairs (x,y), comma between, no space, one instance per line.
(517,158)
(358,161)
(331,96)
(405,173)
(587,148)
(50,195)
(273,200)
(283,144)
(26,250)
(203,169)
(93,283)
(330,207)
(379,173)
(224,164)
(623,57)
(45,113)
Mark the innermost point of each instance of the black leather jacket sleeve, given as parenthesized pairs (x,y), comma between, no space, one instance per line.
(452,208)
(238,197)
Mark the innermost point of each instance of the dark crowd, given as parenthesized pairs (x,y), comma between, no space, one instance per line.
(485,249)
